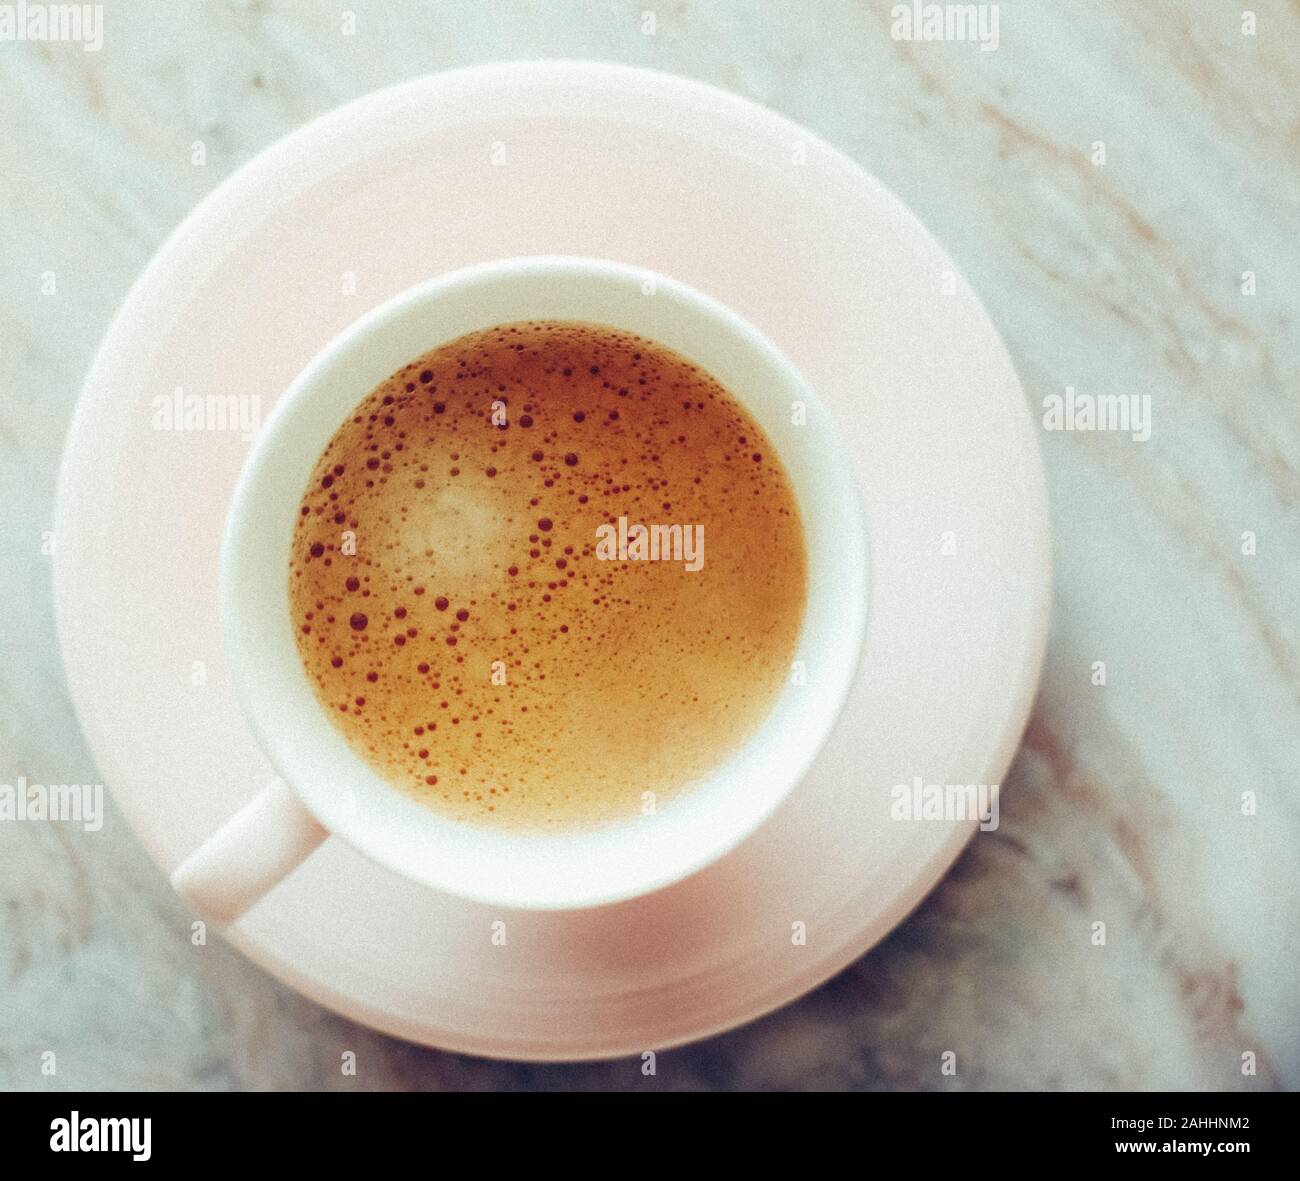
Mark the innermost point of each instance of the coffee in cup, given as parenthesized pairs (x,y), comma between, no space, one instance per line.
(548,575)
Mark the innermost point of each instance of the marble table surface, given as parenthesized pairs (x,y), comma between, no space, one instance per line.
(1121,183)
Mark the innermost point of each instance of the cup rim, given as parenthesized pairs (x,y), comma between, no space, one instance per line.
(336,810)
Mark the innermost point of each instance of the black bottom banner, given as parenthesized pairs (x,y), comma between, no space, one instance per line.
(363,1130)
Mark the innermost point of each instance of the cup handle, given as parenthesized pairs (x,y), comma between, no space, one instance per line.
(265,841)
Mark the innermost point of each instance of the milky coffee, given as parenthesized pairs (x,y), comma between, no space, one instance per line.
(544,570)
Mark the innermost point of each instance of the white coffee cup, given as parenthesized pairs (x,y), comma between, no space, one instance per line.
(326,788)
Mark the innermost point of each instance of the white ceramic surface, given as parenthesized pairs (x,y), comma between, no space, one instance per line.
(701,186)
(549,871)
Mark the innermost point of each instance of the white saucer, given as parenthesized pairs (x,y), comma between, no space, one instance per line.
(584,159)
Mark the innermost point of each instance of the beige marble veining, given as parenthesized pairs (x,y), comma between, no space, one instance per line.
(1106,179)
